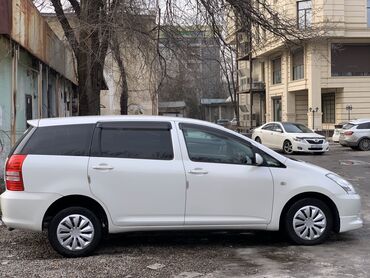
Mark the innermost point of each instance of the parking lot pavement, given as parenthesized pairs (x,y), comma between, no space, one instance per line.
(207,254)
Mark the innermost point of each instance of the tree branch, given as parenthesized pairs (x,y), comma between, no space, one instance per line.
(68,31)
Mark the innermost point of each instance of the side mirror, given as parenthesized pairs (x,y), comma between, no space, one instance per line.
(258,159)
(279,130)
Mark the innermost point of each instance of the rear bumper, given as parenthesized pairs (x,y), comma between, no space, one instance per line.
(348,142)
(23,210)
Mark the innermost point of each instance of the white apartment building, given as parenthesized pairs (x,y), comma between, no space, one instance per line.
(318,82)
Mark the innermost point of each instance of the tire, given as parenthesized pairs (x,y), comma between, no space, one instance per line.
(69,221)
(258,140)
(287,147)
(303,223)
(364,144)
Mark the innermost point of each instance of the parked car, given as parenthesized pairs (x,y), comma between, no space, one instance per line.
(81,178)
(290,137)
(223,122)
(356,134)
(337,130)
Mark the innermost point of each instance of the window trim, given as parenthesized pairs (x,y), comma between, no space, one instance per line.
(274,82)
(294,78)
(95,148)
(305,15)
(236,138)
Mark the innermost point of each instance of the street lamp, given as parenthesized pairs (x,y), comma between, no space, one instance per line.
(349,109)
(313,110)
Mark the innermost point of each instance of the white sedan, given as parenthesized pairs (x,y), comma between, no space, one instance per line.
(290,137)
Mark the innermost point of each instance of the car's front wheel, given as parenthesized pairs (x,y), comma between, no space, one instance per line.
(308,221)
(288,147)
(258,140)
(75,232)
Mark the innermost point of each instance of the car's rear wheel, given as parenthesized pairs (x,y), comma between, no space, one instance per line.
(75,232)
(364,144)
(288,147)
(309,221)
(258,140)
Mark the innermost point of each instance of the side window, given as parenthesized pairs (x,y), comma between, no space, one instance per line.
(364,126)
(268,127)
(136,143)
(215,146)
(277,127)
(67,140)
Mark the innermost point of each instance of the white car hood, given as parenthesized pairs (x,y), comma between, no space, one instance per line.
(307,135)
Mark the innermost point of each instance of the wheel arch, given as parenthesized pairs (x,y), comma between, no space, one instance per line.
(315,195)
(76,201)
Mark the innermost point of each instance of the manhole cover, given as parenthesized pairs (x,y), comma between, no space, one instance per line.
(353,162)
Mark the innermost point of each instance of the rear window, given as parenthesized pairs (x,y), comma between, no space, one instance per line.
(137,142)
(66,140)
(348,126)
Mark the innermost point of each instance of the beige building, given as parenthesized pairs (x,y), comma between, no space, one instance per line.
(315,82)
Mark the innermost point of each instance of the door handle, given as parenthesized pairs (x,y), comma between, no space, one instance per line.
(198,171)
(103,167)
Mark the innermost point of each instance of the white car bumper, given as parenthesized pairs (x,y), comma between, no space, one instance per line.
(25,210)
(349,208)
(305,147)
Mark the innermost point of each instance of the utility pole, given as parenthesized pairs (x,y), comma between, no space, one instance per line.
(313,110)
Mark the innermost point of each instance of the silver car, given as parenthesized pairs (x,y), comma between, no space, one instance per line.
(356,134)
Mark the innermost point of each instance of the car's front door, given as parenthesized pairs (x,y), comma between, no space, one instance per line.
(136,170)
(225,187)
(266,133)
(277,136)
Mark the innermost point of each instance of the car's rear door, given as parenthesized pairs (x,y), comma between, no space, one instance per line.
(136,170)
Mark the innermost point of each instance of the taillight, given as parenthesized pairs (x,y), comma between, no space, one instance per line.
(13,173)
(348,133)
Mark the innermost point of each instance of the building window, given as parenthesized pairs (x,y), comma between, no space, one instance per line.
(276,103)
(368,13)
(328,108)
(298,64)
(276,71)
(350,60)
(304,14)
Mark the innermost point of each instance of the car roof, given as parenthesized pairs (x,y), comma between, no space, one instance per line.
(359,121)
(95,119)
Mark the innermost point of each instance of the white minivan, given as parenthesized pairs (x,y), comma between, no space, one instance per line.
(81,178)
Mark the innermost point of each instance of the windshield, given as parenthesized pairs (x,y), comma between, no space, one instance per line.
(296,128)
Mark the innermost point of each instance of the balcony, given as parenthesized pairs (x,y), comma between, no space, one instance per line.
(244,85)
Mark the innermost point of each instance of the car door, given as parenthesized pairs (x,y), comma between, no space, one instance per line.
(277,136)
(136,170)
(224,185)
(266,132)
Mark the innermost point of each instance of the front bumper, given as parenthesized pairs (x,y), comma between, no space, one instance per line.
(349,208)
(24,210)
(312,148)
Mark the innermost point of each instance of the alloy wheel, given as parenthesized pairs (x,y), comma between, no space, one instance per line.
(75,232)
(288,147)
(309,222)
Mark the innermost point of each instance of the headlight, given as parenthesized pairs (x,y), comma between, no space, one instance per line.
(298,139)
(342,183)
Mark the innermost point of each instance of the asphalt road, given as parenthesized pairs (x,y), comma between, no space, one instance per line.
(207,254)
